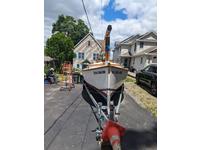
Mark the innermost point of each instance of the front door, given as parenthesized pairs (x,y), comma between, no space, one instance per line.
(125,62)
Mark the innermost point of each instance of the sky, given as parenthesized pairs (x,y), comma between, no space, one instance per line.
(127,17)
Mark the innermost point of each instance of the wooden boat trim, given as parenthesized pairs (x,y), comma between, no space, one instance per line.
(105,66)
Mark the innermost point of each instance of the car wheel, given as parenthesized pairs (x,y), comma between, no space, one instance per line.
(137,80)
(153,89)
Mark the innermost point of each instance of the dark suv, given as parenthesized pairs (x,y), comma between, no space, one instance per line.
(148,77)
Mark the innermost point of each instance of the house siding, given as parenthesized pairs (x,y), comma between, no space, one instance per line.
(87,50)
(149,40)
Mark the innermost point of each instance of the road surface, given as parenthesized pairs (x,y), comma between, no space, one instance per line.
(69,121)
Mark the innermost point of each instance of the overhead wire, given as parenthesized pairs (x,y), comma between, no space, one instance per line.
(87,16)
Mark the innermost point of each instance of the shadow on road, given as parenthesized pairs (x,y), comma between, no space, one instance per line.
(137,140)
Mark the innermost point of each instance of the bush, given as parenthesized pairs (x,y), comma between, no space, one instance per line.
(46,69)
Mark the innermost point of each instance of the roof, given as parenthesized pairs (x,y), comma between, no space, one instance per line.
(89,34)
(47,58)
(100,42)
(126,54)
(137,37)
(130,39)
(142,37)
(148,51)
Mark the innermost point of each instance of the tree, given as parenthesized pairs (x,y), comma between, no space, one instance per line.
(76,29)
(60,47)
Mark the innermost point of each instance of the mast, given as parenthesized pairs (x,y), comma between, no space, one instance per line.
(107,42)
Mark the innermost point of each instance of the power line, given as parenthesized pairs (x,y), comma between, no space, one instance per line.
(101,17)
(87,16)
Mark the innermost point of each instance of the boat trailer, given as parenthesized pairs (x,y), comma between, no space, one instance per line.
(108,132)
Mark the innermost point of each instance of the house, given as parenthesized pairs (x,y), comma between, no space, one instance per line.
(136,51)
(87,51)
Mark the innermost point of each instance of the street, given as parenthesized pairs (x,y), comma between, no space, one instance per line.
(69,121)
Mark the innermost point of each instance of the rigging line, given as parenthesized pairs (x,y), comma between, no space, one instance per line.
(87,16)
(101,18)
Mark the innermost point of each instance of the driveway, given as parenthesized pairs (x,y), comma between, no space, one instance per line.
(68,122)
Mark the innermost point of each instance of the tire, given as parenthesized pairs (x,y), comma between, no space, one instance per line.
(137,80)
(154,89)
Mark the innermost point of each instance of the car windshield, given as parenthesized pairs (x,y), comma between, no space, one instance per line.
(151,69)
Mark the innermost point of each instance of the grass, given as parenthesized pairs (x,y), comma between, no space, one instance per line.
(148,101)
(129,79)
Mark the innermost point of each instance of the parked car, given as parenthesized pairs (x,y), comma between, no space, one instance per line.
(148,77)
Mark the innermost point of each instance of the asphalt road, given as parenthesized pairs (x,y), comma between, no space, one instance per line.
(69,121)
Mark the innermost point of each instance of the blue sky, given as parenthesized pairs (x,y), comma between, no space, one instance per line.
(111,14)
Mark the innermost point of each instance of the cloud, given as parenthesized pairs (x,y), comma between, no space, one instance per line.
(142,16)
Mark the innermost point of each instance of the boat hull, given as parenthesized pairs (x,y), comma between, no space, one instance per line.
(105,78)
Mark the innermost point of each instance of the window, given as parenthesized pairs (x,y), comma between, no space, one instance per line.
(135,47)
(78,66)
(151,69)
(80,55)
(141,60)
(141,44)
(88,43)
(95,56)
(147,68)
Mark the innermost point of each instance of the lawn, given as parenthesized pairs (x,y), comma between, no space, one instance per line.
(142,97)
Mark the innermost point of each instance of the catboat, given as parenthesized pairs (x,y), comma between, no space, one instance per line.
(105,77)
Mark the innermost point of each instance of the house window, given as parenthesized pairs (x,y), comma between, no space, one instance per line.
(88,43)
(141,44)
(80,55)
(135,47)
(141,60)
(95,56)
(78,66)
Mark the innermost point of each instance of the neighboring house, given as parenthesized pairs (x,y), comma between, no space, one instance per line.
(136,51)
(87,50)
(49,61)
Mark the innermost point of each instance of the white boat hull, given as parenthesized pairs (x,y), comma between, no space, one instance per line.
(105,78)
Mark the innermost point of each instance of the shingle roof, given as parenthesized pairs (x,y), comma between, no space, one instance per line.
(85,38)
(148,51)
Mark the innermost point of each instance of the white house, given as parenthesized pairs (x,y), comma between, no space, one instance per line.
(136,51)
(87,50)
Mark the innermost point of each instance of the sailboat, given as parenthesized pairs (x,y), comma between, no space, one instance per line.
(105,76)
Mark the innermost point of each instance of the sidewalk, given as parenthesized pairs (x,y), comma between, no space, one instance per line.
(131,74)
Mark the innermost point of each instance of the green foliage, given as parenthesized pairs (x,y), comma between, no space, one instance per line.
(76,29)
(46,69)
(60,47)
